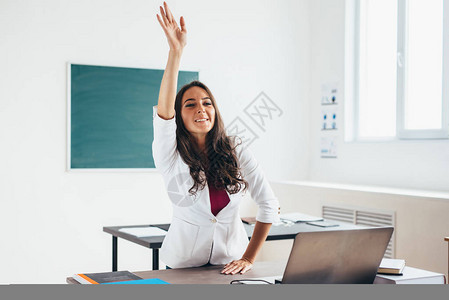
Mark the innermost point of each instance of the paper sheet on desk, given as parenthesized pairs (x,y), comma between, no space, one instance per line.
(299,217)
(144,231)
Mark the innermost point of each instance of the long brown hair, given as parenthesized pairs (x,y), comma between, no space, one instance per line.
(219,162)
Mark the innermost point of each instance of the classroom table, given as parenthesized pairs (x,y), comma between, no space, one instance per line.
(211,274)
(277,232)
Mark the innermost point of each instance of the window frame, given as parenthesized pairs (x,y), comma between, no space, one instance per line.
(353,40)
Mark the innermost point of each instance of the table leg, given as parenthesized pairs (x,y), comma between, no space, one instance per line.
(114,253)
(155,259)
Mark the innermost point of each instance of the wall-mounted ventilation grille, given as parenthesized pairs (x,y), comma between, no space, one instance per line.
(363,216)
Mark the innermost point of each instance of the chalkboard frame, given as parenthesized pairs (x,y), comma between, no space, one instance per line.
(69,121)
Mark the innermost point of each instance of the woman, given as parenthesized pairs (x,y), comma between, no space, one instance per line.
(206,173)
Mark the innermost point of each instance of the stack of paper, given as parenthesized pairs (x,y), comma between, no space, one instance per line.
(144,231)
(412,276)
(299,217)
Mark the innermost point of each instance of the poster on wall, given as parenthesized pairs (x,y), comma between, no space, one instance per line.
(329,94)
(329,124)
(329,147)
(329,118)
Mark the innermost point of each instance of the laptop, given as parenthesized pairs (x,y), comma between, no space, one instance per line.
(336,257)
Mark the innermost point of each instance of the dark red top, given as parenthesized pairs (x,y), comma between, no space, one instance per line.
(218,199)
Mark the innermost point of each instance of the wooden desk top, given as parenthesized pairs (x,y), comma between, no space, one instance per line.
(209,274)
(446,239)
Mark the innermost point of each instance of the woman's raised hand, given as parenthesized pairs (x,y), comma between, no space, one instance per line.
(176,37)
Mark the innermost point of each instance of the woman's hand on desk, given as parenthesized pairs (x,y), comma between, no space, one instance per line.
(244,264)
(237,266)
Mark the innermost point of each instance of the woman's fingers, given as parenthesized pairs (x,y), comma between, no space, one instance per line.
(164,17)
(176,37)
(228,267)
(236,270)
(245,269)
(183,24)
(237,266)
(160,21)
(168,11)
(168,18)
(231,269)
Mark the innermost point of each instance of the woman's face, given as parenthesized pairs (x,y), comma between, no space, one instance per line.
(197,111)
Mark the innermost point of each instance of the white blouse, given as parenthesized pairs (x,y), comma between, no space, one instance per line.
(196,236)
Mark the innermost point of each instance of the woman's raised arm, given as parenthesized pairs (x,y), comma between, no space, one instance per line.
(177,39)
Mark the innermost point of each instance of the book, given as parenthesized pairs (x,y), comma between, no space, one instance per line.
(141,281)
(249,220)
(391,266)
(411,276)
(299,217)
(106,277)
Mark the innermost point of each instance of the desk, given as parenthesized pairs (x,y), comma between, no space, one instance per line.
(209,274)
(212,275)
(278,232)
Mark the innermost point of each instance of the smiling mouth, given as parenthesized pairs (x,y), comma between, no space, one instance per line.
(201,120)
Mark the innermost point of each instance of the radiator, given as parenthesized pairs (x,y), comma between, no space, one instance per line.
(363,216)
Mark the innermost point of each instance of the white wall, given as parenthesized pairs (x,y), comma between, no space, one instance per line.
(51,220)
(421,221)
(404,164)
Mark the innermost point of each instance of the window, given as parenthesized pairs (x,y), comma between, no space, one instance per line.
(400,69)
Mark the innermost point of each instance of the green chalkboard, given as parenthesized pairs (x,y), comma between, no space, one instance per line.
(111,115)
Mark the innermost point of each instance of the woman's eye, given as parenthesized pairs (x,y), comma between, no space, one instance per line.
(208,103)
(189,105)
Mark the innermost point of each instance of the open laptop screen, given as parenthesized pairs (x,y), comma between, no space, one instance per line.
(338,256)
